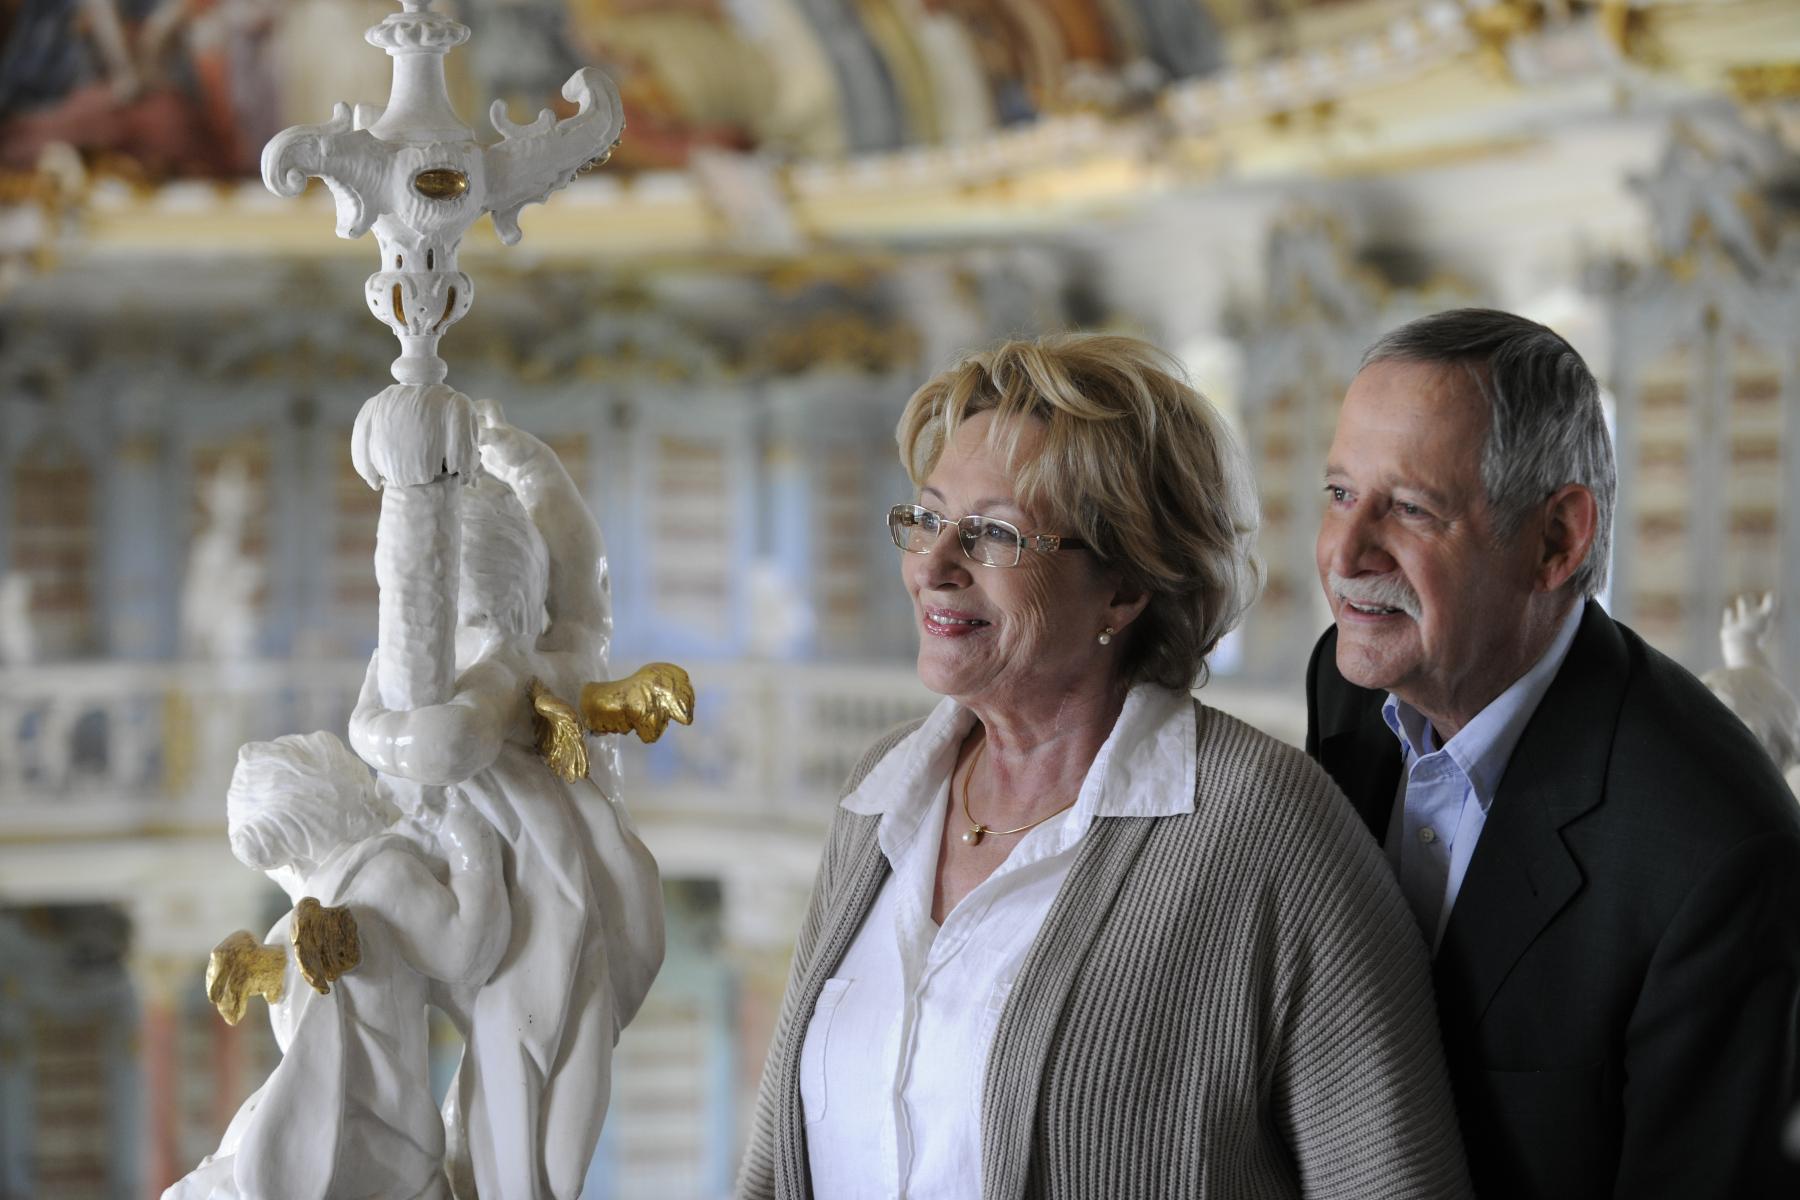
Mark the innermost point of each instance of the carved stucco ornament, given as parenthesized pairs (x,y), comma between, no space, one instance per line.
(414,174)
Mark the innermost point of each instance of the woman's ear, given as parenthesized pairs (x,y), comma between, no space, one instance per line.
(1128,603)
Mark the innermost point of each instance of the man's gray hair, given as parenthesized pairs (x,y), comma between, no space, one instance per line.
(1546,428)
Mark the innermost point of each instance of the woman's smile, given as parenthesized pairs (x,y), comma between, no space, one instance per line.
(949,623)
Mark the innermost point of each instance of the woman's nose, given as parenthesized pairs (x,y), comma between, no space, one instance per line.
(943,564)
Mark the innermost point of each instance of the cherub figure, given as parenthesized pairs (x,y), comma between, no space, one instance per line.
(1749,686)
(533,623)
(375,918)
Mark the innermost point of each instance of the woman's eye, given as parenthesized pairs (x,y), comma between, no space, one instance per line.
(1409,510)
(1338,495)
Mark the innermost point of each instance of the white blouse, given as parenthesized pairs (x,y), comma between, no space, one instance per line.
(892,1065)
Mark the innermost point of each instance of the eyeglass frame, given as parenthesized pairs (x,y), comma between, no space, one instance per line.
(1043,543)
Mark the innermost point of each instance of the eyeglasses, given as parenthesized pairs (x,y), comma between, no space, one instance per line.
(986,540)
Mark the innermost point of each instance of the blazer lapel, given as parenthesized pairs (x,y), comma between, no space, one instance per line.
(1522,873)
(1028,1022)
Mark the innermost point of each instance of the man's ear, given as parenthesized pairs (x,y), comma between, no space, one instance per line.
(1571,519)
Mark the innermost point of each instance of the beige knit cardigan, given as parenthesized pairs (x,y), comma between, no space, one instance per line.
(1233,1003)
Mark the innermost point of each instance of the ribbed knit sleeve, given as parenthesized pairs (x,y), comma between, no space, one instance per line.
(774,1162)
(1360,1089)
(1233,1004)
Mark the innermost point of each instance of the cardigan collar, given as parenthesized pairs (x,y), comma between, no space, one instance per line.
(1145,768)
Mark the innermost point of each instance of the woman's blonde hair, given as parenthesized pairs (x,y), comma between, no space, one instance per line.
(1133,461)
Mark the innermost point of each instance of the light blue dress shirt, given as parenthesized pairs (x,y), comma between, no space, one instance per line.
(1445,790)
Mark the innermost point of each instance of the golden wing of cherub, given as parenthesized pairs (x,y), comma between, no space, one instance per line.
(559,738)
(241,967)
(325,943)
(643,703)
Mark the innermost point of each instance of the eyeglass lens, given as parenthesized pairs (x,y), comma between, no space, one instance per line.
(985,539)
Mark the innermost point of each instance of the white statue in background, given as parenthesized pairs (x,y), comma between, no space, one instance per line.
(533,620)
(18,634)
(218,597)
(380,911)
(1750,687)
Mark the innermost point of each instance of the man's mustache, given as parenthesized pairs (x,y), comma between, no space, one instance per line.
(1378,591)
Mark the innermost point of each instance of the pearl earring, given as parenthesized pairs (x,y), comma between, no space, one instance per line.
(1106,636)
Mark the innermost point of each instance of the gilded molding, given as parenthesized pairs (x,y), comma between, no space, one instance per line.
(240,968)
(643,703)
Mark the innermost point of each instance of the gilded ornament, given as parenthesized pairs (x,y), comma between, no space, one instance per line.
(557,727)
(241,967)
(441,183)
(325,943)
(1756,82)
(642,703)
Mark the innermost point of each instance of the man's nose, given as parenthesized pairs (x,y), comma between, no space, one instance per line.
(1351,542)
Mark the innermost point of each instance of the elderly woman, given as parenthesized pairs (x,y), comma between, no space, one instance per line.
(1076,934)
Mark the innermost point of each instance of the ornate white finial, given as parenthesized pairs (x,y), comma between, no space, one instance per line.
(414,173)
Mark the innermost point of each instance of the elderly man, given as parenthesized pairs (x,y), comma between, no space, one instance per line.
(1604,863)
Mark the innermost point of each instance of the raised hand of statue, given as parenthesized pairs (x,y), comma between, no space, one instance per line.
(642,703)
(1744,631)
(241,967)
(325,943)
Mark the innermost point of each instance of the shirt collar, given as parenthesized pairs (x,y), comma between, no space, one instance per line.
(1145,768)
(1482,748)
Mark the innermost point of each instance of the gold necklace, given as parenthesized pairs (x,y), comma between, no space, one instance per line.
(977,830)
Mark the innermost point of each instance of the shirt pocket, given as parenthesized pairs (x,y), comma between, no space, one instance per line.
(817,1048)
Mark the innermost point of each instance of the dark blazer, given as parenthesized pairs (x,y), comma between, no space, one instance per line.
(1619,982)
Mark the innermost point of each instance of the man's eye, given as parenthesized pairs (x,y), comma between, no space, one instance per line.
(1408,510)
(1338,495)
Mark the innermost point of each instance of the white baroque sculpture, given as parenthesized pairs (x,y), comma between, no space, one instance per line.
(18,635)
(532,623)
(488,869)
(345,1111)
(218,596)
(1750,687)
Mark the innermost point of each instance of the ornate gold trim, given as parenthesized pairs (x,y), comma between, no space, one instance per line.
(241,967)
(558,732)
(325,943)
(643,703)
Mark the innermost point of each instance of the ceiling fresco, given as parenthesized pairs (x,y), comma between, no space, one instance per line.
(192,88)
